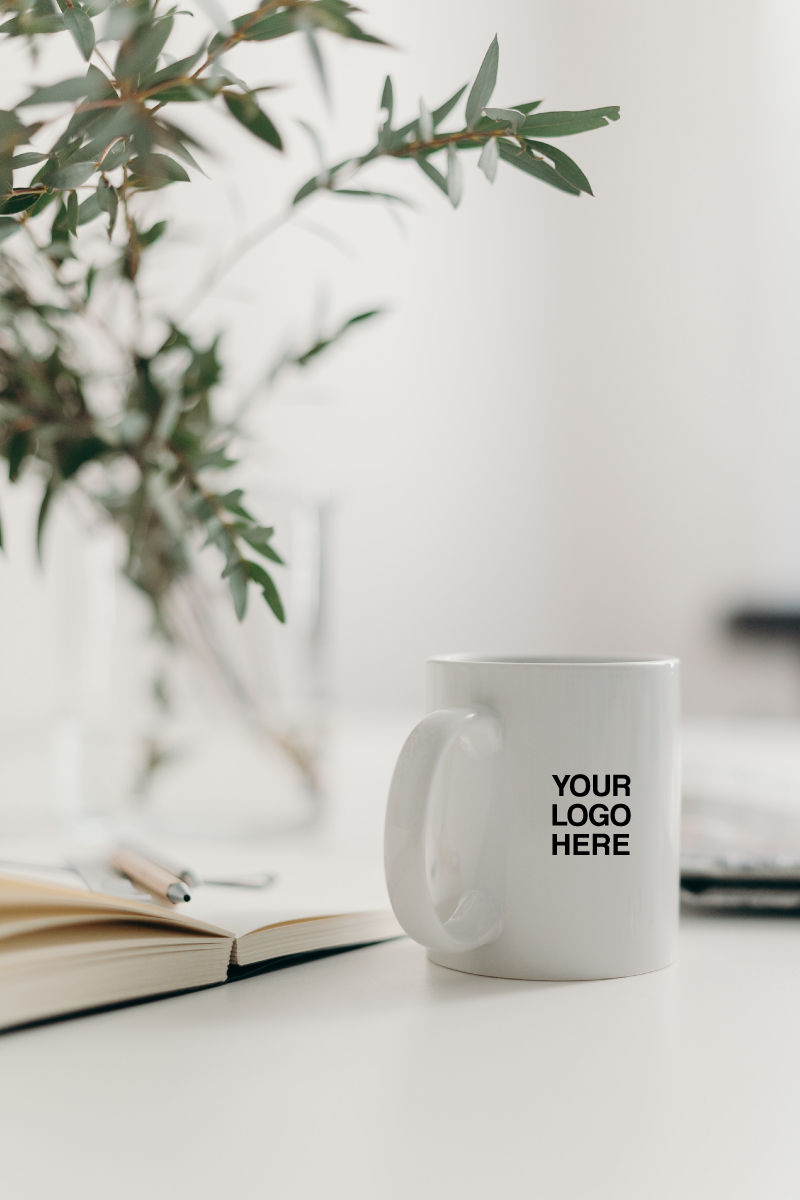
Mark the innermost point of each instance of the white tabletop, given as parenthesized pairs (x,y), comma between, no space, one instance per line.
(375,1074)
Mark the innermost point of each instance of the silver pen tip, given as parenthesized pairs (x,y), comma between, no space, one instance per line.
(177,892)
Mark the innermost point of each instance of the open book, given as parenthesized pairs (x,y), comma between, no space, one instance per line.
(64,949)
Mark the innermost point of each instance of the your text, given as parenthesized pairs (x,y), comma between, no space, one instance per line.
(597,814)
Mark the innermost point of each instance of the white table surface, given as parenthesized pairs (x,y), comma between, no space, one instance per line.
(376,1075)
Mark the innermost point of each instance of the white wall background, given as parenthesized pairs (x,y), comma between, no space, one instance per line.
(591,475)
(562,438)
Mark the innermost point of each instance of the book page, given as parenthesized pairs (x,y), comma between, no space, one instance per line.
(24,898)
(308,883)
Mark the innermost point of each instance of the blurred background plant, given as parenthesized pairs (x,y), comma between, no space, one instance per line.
(109,394)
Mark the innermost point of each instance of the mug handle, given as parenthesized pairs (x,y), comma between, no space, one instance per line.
(478,918)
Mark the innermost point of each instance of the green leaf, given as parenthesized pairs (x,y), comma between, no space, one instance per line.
(141,50)
(425,122)
(156,171)
(232,502)
(73,455)
(108,201)
(46,198)
(72,175)
(267,585)
(271,554)
(68,89)
(483,87)
(432,173)
(359,317)
(256,533)
(455,177)
(561,124)
(8,227)
(277,25)
(508,116)
(106,196)
(387,99)
(146,237)
(302,360)
(526,108)
(68,152)
(101,87)
(93,149)
(237,582)
(119,154)
(26,25)
(317,60)
(174,71)
(259,538)
(182,93)
(26,160)
(488,159)
(248,113)
(89,210)
(20,201)
(199,507)
(72,213)
(485,125)
(174,139)
(18,448)
(368,193)
(566,168)
(12,132)
(58,230)
(313,185)
(218,536)
(329,14)
(525,161)
(44,508)
(265,549)
(81,28)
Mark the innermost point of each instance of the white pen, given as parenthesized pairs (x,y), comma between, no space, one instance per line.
(189,877)
(150,875)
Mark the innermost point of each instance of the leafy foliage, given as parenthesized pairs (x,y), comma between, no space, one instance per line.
(152,461)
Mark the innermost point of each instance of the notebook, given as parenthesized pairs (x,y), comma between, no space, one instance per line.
(739,856)
(65,949)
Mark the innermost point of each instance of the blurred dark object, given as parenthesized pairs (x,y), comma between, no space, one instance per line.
(738,856)
(766,624)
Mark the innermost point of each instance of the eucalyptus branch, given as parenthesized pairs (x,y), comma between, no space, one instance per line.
(119,144)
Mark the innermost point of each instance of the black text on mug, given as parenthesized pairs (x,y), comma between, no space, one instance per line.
(598,814)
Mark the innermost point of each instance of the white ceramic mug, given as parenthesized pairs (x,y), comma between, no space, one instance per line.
(532,830)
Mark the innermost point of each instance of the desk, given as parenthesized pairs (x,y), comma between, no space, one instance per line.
(375,1075)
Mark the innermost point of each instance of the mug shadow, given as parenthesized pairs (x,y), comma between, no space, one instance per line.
(448,984)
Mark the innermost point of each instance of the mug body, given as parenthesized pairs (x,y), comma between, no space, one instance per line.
(580,841)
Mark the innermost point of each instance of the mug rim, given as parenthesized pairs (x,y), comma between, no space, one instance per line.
(556,660)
